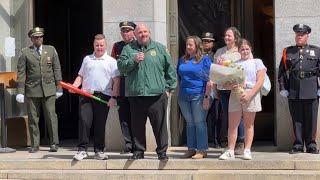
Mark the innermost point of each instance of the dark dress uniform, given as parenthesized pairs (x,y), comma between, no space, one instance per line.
(214,113)
(38,79)
(298,74)
(122,100)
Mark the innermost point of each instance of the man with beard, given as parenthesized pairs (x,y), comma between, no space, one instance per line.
(151,77)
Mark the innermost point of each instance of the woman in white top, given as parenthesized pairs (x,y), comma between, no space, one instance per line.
(249,102)
(229,52)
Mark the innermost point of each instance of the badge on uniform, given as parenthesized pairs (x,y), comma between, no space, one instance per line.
(153,53)
(312,53)
(49,61)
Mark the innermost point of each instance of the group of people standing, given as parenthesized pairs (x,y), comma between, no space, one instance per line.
(139,76)
(197,94)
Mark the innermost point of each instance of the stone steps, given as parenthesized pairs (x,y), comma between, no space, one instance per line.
(163,174)
(265,165)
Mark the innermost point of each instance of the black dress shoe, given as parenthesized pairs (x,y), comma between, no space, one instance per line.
(295,151)
(163,156)
(125,151)
(137,156)
(34,149)
(313,150)
(53,148)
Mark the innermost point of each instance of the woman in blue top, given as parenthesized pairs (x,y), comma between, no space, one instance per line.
(193,72)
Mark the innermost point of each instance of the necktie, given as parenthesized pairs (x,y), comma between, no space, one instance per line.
(38,51)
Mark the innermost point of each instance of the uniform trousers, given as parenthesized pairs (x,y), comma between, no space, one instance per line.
(304,119)
(214,122)
(34,105)
(125,121)
(154,107)
(92,112)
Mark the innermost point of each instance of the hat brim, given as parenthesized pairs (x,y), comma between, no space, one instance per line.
(130,27)
(36,34)
(211,39)
(304,32)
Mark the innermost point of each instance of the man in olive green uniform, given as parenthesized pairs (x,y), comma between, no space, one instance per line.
(151,77)
(39,74)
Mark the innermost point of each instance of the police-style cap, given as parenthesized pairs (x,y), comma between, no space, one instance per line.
(207,36)
(127,24)
(301,28)
(37,31)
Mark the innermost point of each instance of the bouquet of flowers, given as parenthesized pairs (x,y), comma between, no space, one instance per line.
(228,73)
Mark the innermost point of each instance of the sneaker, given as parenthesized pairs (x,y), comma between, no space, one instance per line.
(247,155)
(80,155)
(227,155)
(100,156)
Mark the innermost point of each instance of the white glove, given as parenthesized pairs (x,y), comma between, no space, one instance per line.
(284,93)
(59,94)
(20,98)
(318,92)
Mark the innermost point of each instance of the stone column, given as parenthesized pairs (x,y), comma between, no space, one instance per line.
(287,14)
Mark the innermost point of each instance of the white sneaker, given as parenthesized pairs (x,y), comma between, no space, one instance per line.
(80,155)
(247,155)
(227,155)
(100,156)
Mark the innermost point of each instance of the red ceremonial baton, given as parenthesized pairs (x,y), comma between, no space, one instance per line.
(69,86)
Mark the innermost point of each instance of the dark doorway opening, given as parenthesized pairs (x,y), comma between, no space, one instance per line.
(70,27)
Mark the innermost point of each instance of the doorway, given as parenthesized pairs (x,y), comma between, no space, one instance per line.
(255,20)
(70,27)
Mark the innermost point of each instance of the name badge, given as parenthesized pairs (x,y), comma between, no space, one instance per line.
(49,61)
(153,53)
(312,53)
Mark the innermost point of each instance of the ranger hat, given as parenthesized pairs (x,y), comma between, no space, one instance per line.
(207,36)
(127,24)
(37,31)
(301,28)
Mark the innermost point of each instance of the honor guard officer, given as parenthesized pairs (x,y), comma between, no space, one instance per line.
(208,44)
(39,74)
(298,81)
(127,35)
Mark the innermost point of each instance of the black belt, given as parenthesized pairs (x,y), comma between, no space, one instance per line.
(304,74)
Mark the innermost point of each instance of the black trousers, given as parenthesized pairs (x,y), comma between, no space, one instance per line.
(125,122)
(154,107)
(214,122)
(304,119)
(94,113)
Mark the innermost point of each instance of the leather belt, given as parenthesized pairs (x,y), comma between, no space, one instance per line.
(304,74)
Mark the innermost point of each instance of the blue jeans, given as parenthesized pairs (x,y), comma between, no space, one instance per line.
(224,95)
(195,116)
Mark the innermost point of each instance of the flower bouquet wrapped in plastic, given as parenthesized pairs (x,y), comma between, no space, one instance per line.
(228,73)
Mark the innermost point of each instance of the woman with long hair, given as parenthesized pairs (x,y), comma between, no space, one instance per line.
(193,99)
